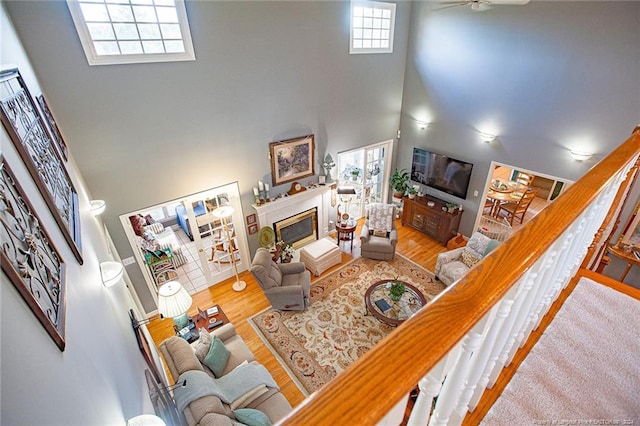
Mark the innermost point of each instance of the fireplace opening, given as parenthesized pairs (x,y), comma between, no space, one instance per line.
(298,230)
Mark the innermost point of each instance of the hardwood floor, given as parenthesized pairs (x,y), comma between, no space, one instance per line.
(238,306)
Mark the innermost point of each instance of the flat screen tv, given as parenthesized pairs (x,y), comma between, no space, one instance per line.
(441,172)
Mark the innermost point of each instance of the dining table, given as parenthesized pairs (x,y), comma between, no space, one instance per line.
(499,195)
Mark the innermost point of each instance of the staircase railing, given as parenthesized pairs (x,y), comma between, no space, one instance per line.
(458,344)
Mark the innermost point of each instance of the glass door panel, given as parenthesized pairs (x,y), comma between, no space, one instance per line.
(199,242)
(367,170)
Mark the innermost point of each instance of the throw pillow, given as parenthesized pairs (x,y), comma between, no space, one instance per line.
(203,344)
(217,357)
(252,417)
(380,233)
(469,259)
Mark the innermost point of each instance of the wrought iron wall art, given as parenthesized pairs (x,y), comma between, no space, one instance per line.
(29,258)
(53,127)
(26,129)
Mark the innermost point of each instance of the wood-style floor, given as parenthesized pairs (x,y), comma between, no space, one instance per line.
(239,306)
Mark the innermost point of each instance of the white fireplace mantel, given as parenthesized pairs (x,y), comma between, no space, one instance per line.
(291,205)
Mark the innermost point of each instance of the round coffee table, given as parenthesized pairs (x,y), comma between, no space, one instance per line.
(390,312)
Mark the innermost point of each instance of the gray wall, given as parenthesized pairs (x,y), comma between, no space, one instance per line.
(98,379)
(544,77)
(265,71)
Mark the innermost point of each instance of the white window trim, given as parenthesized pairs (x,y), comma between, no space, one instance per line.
(380,5)
(94,59)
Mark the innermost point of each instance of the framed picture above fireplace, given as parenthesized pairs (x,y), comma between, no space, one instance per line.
(292,159)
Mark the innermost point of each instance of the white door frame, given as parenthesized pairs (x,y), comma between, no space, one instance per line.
(487,184)
(386,172)
(238,217)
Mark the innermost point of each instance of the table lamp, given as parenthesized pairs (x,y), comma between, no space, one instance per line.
(174,302)
(223,213)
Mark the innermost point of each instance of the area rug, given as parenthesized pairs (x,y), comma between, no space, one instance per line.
(584,368)
(316,344)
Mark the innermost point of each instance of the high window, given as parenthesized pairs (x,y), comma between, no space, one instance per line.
(372,25)
(132,31)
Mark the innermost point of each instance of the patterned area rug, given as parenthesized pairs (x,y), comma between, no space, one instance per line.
(316,344)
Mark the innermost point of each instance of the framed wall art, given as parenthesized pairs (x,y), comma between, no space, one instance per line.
(53,127)
(251,218)
(253,228)
(291,159)
(28,257)
(25,126)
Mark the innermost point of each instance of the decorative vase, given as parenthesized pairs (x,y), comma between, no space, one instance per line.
(327,172)
(395,297)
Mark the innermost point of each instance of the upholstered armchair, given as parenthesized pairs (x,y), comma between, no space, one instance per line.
(286,285)
(453,264)
(379,235)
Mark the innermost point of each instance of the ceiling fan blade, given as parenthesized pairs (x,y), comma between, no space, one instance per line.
(507,2)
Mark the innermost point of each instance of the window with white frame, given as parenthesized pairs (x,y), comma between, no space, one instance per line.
(132,31)
(372,25)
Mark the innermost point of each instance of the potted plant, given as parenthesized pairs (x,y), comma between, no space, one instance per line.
(398,181)
(396,290)
(411,191)
(354,174)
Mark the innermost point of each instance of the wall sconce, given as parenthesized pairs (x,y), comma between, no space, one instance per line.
(422,125)
(97,207)
(487,137)
(146,420)
(111,272)
(580,156)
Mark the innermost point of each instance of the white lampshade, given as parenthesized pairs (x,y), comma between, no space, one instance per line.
(173,299)
(222,212)
(111,272)
(97,207)
(146,420)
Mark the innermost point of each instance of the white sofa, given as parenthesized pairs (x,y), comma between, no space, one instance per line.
(453,264)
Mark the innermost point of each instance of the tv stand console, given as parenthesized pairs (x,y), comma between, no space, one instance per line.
(430,215)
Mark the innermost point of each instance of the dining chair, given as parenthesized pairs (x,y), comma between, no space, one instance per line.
(519,208)
(523,181)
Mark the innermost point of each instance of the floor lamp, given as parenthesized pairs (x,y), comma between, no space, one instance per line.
(223,213)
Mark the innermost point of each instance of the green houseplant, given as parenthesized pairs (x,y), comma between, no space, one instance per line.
(396,290)
(398,181)
(411,191)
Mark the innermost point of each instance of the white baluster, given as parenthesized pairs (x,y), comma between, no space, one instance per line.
(481,355)
(452,387)
(430,386)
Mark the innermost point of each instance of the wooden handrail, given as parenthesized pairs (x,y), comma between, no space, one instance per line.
(368,389)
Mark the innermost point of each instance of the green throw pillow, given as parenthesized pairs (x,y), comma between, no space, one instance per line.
(217,357)
(252,417)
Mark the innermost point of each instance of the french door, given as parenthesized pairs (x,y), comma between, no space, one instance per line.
(366,170)
(203,242)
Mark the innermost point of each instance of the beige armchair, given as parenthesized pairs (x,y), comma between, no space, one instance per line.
(453,264)
(286,285)
(379,235)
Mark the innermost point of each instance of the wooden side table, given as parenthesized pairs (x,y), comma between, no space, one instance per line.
(200,322)
(456,242)
(345,233)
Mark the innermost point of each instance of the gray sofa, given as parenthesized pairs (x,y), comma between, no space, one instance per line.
(211,410)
